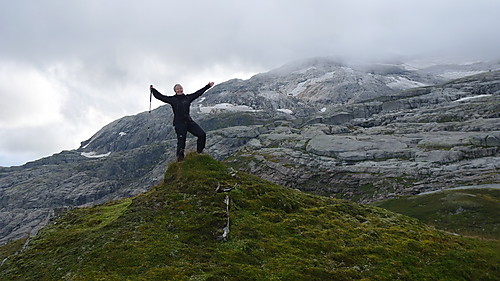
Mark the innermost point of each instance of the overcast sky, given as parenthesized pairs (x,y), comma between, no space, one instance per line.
(67,68)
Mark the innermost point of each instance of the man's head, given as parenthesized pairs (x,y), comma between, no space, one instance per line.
(178,89)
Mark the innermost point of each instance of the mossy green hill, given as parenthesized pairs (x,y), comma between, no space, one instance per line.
(472,212)
(173,233)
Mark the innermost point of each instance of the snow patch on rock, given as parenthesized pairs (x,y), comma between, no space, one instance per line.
(470,98)
(301,87)
(403,83)
(226,107)
(287,111)
(93,154)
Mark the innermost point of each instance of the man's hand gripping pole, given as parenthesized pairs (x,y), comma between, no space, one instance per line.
(150,96)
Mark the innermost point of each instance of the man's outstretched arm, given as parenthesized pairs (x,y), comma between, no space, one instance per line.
(158,95)
(200,92)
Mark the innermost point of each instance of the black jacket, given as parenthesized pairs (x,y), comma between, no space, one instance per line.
(180,103)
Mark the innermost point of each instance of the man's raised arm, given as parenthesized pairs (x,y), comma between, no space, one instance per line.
(158,95)
(200,92)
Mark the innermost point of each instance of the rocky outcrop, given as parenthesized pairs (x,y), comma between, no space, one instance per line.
(32,194)
(449,137)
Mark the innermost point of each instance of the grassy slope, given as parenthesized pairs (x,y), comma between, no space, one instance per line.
(11,248)
(473,212)
(276,233)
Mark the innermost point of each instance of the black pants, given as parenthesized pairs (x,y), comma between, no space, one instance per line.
(181,131)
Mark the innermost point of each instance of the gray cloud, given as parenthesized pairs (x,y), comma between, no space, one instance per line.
(89,62)
(194,32)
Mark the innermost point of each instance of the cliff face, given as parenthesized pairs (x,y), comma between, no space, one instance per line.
(404,143)
(358,132)
(207,221)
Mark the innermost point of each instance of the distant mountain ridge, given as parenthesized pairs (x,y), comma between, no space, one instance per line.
(281,125)
(302,86)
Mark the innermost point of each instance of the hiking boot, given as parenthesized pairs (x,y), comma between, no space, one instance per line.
(180,158)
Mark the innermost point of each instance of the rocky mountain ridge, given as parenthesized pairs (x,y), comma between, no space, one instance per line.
(290,127)
(406,143)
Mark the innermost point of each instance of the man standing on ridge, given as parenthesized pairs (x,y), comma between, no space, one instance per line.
(183,122)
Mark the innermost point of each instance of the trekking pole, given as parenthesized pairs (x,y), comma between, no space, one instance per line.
(150,98)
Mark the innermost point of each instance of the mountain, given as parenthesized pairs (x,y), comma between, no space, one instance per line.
(305,87)
(358,132)
(408,142)
(183,229)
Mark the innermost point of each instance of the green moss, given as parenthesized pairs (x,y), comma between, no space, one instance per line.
(170,233)
(467,212)
(240,160)
(449,118)
(11,248)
